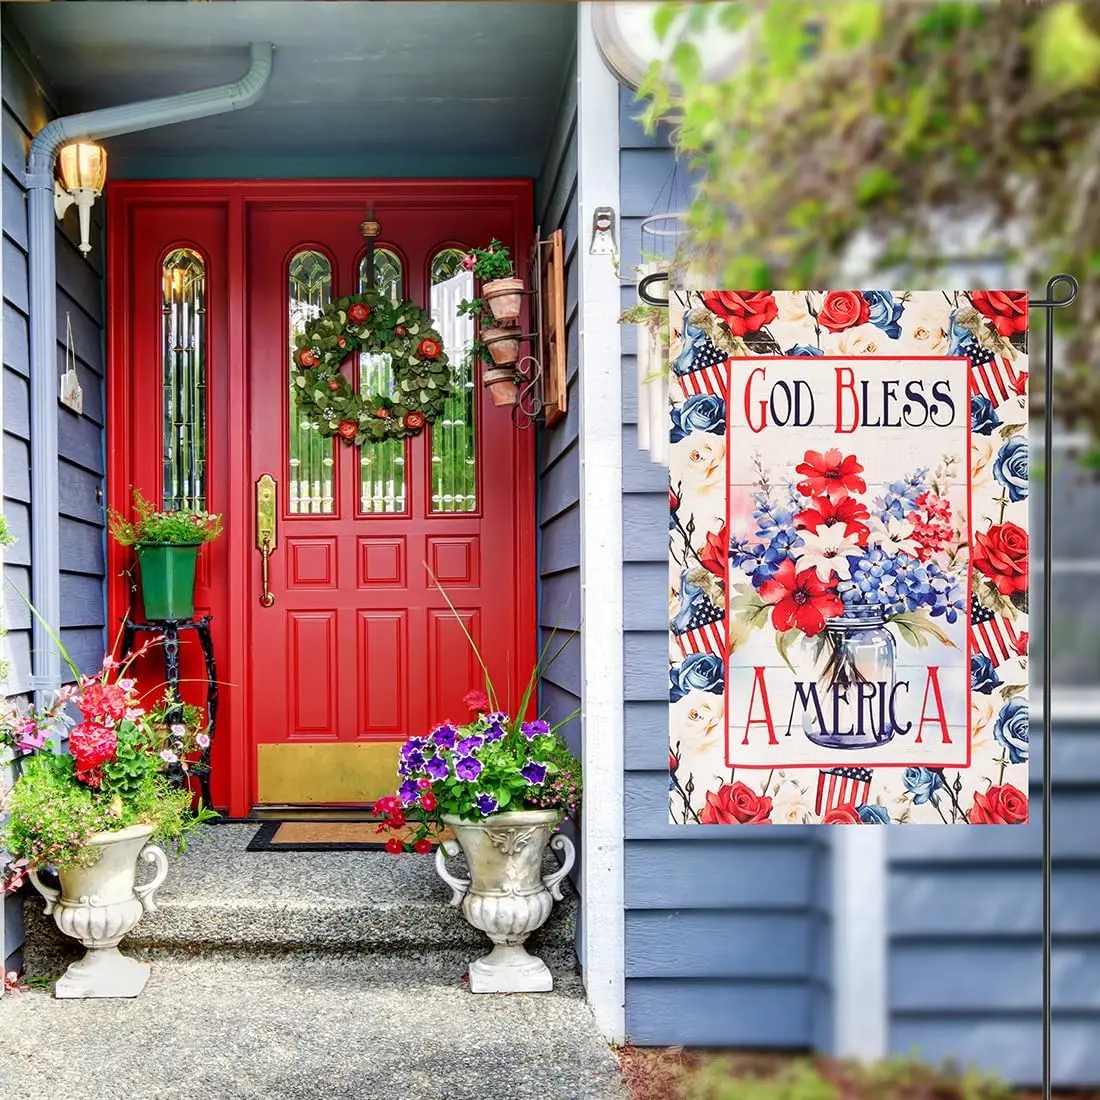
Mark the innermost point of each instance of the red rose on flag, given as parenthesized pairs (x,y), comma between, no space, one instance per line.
(476,701)
(1007,309)
(842,815)
(736,804)
(1005,805)
(429,348)
(743,311)
(844,309)
(415,420)
(349,429)
(802,601)
(423,846)
(715,555)
(358,313)
(1001,554)
(673,763)
(306,358)
(830,474)
(846,511)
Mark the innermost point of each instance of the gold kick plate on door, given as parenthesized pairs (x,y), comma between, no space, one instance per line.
(266,534)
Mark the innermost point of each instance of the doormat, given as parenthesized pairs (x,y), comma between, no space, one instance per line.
(330,836)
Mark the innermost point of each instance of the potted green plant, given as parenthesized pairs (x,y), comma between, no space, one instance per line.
(90,814)
(167,546)
(497,315)
(503,783)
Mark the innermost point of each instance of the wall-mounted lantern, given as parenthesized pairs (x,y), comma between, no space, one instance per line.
(83,170)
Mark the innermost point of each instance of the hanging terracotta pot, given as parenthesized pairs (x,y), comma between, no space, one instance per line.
(501,383)
(503,345)
(505,298)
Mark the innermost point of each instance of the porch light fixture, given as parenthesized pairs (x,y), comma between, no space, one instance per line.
(83,168)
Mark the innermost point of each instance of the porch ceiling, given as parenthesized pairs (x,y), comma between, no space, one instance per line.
(358,89)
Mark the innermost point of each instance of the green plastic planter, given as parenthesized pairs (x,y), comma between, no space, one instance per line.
(167,579)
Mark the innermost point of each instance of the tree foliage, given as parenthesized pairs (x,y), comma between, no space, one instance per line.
(888,122)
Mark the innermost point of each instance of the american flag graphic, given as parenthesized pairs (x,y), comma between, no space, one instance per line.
(994,635)
(708,374)
(842,787)
(994,376)
(705,632)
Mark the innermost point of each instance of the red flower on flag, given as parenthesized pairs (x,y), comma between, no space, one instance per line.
(736,804)
(846,510)
(1007,309)
(716,552)
(800,601)
(1001,554)
(1005,805)
(831,474)
(844,309)
(743,312)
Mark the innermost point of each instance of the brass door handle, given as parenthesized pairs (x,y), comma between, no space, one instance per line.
(266,535)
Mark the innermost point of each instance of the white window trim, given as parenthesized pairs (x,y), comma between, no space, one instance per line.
(601,538)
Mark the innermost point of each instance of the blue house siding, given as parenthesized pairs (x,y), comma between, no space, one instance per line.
(26,108)
(727,931)
(559,562)
(966,926)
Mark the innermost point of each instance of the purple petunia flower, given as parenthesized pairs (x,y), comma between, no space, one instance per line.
(436,767)
(469,745)
(415,760)
(533,772)
(486,805)
(534,729)
(468,768)
(499,717)
(445,736)
(494,733)
(409,791)
(414,744)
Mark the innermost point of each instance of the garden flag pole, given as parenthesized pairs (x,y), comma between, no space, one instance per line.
(1048,305)
(849,560)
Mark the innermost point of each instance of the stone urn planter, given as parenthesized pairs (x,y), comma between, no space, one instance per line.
(100,905)
(505,299)
(506,896)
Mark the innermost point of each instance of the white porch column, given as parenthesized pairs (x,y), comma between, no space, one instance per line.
(601,537)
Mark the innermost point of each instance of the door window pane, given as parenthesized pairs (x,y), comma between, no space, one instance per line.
(311,454)
(184,374)
(454,442)
(381,465)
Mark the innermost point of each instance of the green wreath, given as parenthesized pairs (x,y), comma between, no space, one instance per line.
(368,322)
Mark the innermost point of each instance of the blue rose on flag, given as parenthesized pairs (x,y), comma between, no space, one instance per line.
(923,784)
(873,815)
(983,417)
(802,350)
(702,412)
(1012,730)
(697,672)
(1010,468)
(983,676)
(884,313)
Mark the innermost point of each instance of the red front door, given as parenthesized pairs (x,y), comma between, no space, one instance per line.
(358,649)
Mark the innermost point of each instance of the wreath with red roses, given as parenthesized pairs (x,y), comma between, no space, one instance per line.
(370,323)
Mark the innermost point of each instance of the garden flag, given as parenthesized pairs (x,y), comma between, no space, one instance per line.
(848,555)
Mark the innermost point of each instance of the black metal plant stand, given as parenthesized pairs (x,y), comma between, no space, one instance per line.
(1048,305)
(170,629)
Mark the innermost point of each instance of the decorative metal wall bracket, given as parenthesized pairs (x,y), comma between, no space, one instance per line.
(540,374)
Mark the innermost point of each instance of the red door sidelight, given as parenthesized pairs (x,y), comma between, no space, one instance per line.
(353,647)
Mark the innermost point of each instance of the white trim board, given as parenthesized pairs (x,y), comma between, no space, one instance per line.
(601,537)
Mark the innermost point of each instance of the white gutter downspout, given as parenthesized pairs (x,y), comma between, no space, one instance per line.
(90,126)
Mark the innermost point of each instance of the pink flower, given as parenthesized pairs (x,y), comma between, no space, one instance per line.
(468,262)
(202,740)
(31,739)
(476,701)
(178,729)
(127,685)
(169,757)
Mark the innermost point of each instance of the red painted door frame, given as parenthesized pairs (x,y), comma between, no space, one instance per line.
(212,216)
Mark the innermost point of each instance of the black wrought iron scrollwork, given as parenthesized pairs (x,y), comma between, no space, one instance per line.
(169,630)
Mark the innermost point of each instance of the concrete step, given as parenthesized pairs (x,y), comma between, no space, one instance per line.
(221,898)
(304,1026)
